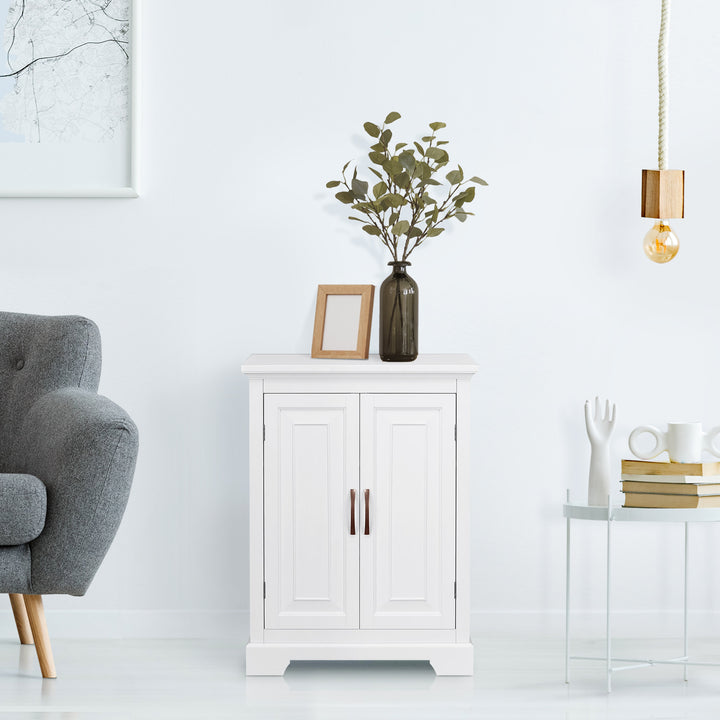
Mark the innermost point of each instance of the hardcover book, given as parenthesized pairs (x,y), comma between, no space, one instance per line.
(650,467)
(673,479)
(656,500)
(667,488)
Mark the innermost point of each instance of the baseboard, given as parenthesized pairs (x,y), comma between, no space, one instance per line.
(233,625)
(592,625)
(128,624)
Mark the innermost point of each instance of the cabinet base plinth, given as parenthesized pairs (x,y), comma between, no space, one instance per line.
(273,658)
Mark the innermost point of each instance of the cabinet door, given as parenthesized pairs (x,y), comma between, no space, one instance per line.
(407,462)
(311,464)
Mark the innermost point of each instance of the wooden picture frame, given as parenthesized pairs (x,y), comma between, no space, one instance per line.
(343,316)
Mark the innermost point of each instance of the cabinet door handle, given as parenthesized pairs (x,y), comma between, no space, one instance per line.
(352,512)
(367,512)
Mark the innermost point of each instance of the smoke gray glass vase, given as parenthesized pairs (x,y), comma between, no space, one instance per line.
(398,315)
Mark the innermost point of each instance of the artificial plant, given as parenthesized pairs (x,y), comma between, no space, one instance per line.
(400,209)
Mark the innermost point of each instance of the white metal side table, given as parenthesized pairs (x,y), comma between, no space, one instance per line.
(609,515)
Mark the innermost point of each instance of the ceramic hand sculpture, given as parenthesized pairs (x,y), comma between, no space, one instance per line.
(599,430)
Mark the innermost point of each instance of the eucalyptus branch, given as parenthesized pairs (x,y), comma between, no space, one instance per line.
(400,204)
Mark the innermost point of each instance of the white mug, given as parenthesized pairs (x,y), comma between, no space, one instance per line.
(684,442)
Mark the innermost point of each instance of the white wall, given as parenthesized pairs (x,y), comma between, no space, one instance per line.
(248,109)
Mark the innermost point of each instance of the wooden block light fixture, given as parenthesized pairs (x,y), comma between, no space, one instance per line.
(663,190)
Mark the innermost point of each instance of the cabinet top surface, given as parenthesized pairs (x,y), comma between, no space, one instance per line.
(304,364)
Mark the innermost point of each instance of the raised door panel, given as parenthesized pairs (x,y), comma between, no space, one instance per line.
(407,462)
(311,464)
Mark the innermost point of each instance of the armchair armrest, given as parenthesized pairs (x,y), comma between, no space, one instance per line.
(83,447)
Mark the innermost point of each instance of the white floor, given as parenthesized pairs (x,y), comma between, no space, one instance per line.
(204,679)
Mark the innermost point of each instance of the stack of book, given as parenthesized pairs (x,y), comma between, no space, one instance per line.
(650,484)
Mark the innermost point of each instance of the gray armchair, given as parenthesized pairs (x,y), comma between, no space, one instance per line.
(67,457)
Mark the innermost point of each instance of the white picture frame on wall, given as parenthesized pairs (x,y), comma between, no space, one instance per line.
(69,98)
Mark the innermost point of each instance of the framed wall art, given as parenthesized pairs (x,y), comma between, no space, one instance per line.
(343,315)
(68,98)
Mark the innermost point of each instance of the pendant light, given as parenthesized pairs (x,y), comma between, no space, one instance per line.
(663,190)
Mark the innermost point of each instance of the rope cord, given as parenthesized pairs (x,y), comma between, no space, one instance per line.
(664,92)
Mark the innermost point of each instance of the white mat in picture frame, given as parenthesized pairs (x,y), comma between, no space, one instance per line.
(69,98)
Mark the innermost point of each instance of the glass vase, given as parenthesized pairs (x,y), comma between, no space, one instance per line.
(398,315)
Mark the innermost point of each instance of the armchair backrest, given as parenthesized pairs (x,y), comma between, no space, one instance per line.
(39,354)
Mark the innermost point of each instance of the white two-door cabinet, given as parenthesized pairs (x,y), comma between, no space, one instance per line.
(359,511)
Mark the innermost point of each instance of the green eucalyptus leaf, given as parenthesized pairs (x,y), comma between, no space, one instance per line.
(437,125)
(465,196)
(399,146)
(359,188)
(345,197)
(376,157)
(427,138)
(402,180)
(371,129)
(375,172)
(346,165)
(432,181)
(371,230)
(332,184)
(423,171)
(400,227)
(350,217)
(378,147)
(386,137)
(461,215)
(434,232)
(379,190)
(392,167)
(396,200)
(392,117)
(420,148)
(477,180)
(454,177)
(437,154)
(414,232)
(442,142)
(407,160)
(394,217)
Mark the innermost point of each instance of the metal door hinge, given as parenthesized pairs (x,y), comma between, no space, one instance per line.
(264,590)
(455,590)
(263,433)
(456,433)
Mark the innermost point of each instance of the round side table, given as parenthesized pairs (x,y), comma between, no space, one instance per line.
(610,515)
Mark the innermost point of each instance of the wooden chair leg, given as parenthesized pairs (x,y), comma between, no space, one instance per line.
(36,615)
(21,619)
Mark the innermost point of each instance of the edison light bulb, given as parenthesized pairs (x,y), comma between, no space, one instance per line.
(661,244)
